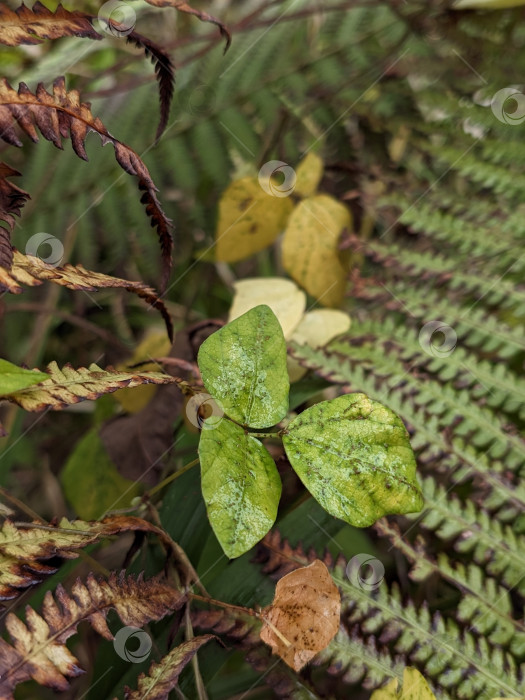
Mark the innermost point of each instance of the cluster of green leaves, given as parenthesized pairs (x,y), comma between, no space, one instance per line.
(351,453)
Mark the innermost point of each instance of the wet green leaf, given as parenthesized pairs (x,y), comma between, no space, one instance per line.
(240,484)
(354,456)
(13,378)
(243,366)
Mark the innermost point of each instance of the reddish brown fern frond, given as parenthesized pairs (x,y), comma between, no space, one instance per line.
(279,558)
(39,650)
(32,271)
(165,72)
(26,548)
(163,677)
(242,630)
(27,25)
(62,115)
(32,25)
(12,199)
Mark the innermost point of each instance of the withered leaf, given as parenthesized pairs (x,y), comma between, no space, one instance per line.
(164,676)
(25,548)
(164,71)
(304,615)
(31,271)
(32,25)
(60,115)
(12,199)
(39,650)
(68,386)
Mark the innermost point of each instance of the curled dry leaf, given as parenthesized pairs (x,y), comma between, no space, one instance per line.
(39,650)
(32,271)
(164,676)
(62,114)
(27,25)
(24,547)
(68,386)
(32,25)
(304,615)
(12,199)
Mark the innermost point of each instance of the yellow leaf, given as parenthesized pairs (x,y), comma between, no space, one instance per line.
(398,144)
(309,174)
(415,687)
(316,329)
(155,344)
(310,247)
(249,220)
(281,295)
(304,616)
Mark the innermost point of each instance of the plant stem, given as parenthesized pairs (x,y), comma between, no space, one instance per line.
(171,478)
(221,604)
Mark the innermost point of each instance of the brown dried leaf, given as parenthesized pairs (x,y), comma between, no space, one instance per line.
(24,547)
(182,6)
(164,676)
(164,71)
(39,650)
(62,115)
(304,615)
(32,25)
(12,199)
(69,386)
(32,271)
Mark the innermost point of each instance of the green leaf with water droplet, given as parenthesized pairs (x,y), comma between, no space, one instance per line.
(13,378)
(243,366)
(354,456)
(240,484)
